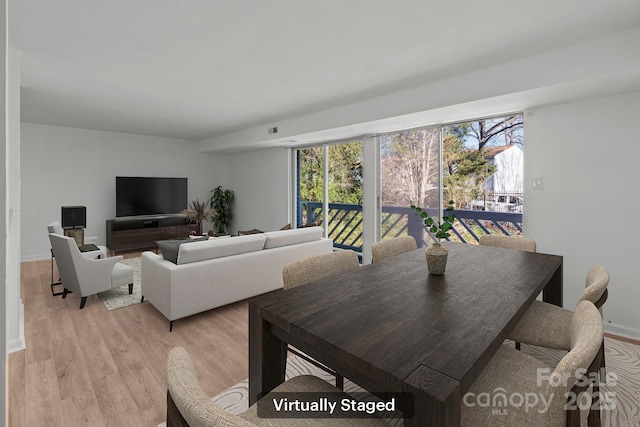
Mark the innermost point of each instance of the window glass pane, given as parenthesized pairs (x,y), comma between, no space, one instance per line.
(409,174)
(483,172)
(310,186)
(345,195)
(344,186)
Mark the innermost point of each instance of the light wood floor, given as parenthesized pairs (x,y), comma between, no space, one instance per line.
(95,367)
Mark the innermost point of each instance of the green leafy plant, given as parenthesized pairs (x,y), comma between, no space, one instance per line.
(440,230)
(221,201)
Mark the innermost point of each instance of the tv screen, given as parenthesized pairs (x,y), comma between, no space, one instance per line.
(150,196)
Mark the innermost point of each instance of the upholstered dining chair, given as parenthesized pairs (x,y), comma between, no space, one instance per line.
(188,405)
(87,276)
(318,267)
(513,373)
(388,248)
(313,268)
(547,325)
(508,242)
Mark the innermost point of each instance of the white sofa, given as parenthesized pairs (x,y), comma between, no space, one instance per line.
(212,273)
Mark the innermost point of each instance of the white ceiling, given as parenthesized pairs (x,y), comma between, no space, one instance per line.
(204,68)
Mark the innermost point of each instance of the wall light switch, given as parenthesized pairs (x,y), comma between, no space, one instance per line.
(537,183)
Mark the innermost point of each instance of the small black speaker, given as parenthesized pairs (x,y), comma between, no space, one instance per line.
(74,217)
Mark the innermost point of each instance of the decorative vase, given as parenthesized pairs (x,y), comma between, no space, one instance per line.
(436,258)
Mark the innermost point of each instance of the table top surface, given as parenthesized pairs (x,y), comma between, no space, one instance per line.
(393,319)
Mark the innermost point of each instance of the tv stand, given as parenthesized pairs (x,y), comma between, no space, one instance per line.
(142,233)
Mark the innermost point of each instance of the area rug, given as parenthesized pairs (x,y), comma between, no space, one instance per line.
(120,297)
(622,362)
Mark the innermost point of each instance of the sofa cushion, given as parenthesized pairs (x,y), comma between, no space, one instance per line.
(169,248)
(275,239)
(219,248)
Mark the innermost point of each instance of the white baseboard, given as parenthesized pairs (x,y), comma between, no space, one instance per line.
(18,343)
(622,330)
(35,257)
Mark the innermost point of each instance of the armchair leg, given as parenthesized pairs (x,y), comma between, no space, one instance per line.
(65,292)
(170,325)
(130,288)
(83,300)
(141,299)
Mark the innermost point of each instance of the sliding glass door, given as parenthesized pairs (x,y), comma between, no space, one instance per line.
(330,191)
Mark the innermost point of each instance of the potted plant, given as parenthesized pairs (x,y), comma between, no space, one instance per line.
(436,253)
(198,212)
(221,200)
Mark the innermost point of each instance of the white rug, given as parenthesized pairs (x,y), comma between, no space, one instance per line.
(119,297)
(622,361)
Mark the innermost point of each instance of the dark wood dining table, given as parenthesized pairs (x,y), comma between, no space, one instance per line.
(393,327)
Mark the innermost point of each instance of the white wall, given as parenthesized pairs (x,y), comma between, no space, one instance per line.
(15,308)
(4,246)
(587,154)
(67,166)
(260,181)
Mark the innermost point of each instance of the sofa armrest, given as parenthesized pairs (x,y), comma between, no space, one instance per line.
(155,281)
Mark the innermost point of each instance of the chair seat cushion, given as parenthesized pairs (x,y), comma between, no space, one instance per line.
(302,384)
(544,325)
(511,374)
(121,275)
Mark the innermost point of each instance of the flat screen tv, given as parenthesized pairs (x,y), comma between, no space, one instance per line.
(136,196)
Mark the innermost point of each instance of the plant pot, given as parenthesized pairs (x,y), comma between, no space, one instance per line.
(436,258)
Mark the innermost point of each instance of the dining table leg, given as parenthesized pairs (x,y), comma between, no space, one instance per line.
(267,356)
(552,293)
(436,399)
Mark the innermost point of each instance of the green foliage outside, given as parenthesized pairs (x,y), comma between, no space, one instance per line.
(465,170)
(345,186)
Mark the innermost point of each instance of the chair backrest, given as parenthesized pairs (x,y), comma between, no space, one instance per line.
(586,338)
(318,267)
(187,404)
(65,250)
(56,228)
(388,248)
(596,286)
(508,242)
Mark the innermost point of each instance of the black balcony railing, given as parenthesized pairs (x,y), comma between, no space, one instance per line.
(345,223)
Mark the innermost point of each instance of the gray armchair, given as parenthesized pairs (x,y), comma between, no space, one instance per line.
(86,276)
(100,252)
